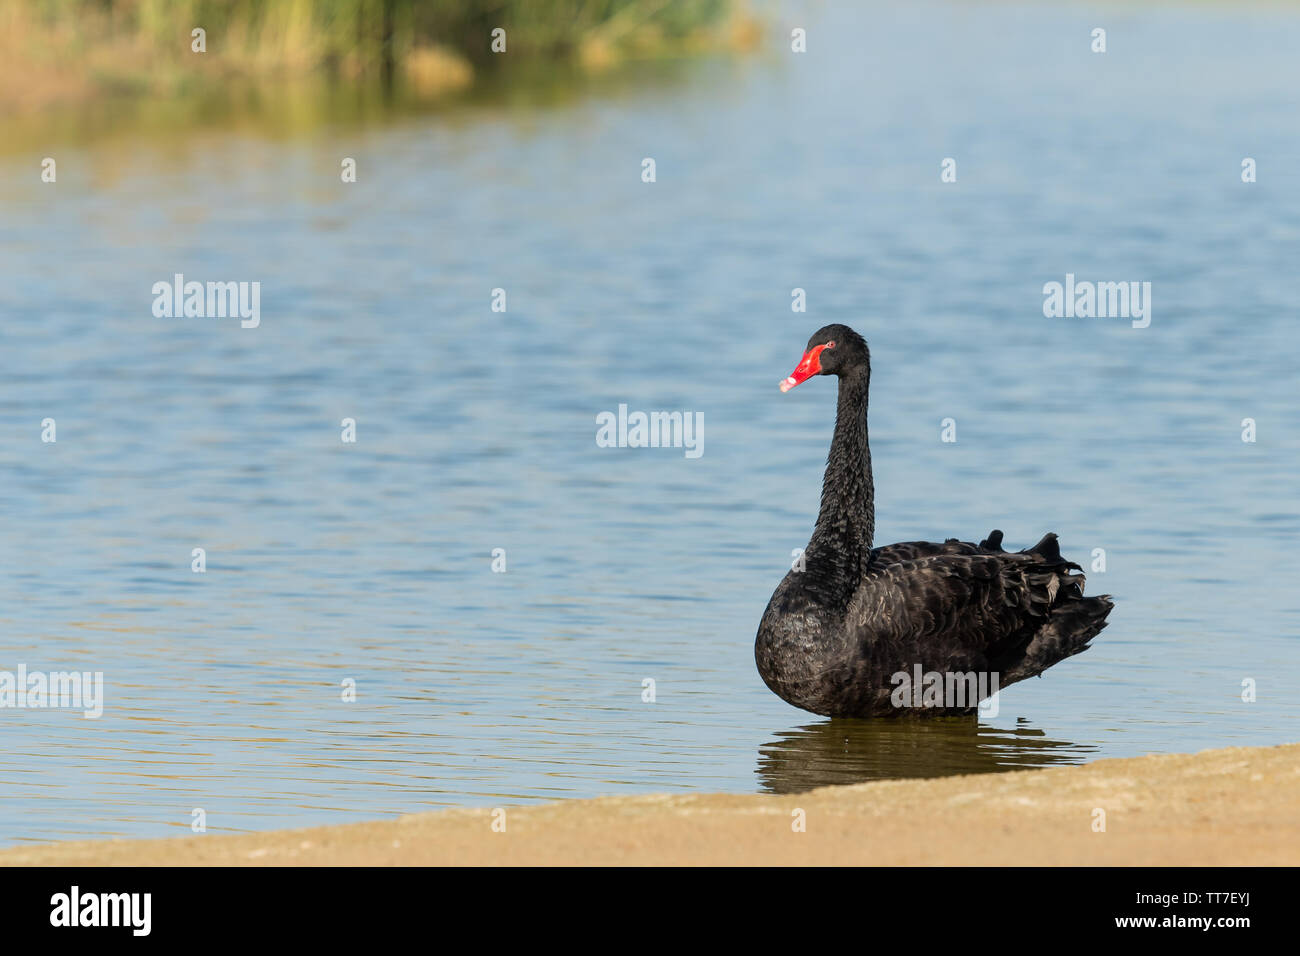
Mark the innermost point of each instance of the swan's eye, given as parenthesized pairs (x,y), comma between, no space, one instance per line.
(830,345)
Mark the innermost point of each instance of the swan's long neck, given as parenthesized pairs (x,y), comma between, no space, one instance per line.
(846,524)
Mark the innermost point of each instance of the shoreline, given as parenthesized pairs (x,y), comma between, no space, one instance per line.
(1231,807)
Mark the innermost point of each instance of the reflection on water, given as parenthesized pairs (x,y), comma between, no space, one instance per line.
(854,751)
(301,108)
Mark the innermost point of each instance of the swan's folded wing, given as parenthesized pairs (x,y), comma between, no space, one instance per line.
(912,550)
(979,608)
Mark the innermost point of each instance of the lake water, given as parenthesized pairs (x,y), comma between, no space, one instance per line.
(372,562)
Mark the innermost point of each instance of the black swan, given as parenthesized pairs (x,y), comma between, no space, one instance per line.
(840,631)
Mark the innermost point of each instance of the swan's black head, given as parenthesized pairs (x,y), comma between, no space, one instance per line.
(832,350)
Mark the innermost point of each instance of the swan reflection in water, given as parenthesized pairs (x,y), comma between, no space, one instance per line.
(854,751)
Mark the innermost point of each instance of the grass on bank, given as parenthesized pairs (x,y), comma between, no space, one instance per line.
(75,52)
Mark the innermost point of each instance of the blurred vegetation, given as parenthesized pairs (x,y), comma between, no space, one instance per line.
(78,51)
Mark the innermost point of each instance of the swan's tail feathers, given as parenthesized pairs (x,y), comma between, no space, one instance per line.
(993,542)
(1048,550)
(1070,627)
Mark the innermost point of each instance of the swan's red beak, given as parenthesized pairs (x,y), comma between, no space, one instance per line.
(808,366)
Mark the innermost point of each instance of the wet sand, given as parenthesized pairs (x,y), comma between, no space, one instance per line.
(1238,806)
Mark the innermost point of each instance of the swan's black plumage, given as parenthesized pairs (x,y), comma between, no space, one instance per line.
(836,632)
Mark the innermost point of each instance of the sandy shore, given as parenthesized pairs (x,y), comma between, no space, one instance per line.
(1220,807)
